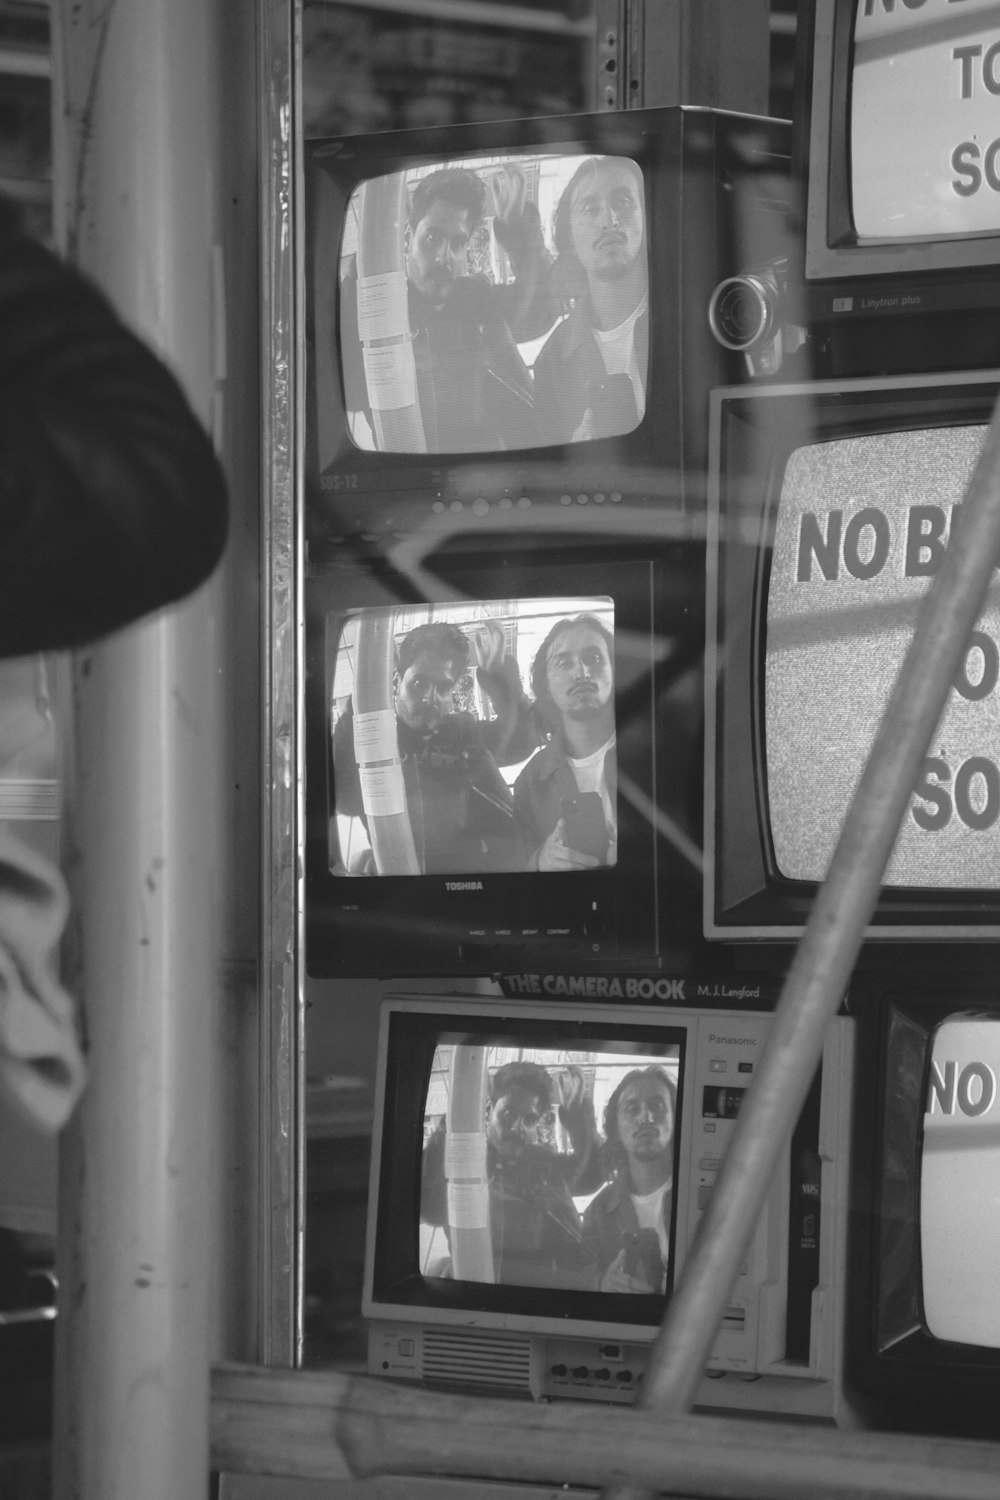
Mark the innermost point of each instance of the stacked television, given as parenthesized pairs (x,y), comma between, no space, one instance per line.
(757,539)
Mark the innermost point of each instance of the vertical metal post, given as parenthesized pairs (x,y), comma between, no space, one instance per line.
(709,53)
(137,159)
(282,1064)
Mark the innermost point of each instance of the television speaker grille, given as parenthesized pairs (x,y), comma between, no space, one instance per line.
(498,1361)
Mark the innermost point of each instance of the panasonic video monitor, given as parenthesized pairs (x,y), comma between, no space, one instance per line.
(831,507)
(539,1168)
(897,171)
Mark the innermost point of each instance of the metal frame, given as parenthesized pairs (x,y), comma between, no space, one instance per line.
(712,53)
(282,1000)
(643,54)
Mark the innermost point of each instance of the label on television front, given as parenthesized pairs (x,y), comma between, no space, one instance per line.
(924,124)
(687,989)
(861,527)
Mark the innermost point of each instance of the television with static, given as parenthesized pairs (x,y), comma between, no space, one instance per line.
(832,503)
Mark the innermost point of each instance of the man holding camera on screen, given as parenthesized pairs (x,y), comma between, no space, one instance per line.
(567,793)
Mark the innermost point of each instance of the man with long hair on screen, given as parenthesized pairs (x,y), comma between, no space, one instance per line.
(590,376)
(473,388)
(628,1223)
(566,795)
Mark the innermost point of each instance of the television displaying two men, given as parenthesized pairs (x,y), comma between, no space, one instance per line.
(495,304)
(474,737)
(548,1167)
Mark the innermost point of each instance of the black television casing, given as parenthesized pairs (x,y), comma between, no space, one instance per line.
(622,517)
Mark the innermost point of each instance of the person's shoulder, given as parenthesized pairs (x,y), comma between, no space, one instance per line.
(558,343)
(544,763)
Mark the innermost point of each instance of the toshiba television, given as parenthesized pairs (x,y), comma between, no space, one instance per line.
(897,170)
(923,1326)
(504,764)
(504,1251)
(830,509)
(514,313)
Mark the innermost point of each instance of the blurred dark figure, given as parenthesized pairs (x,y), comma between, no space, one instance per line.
(113,504)
(113,501)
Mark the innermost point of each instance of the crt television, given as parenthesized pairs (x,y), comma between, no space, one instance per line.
(423,850)
(897,171)
(831,505)
(462,1293)
(439,375)
(923,1328)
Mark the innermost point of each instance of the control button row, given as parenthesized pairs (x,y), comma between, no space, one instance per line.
(481,506)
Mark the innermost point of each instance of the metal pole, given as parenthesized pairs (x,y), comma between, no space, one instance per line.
(709,53)
(137,81)
(825,958)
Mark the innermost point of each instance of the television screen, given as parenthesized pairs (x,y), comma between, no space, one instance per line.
(452,770)
(452,298)
(514,1167)
(924,1337)
(896,170)
(928,169)
(960,1182)
(859,529)
(832,506)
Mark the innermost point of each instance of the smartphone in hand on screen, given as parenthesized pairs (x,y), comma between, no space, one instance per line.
(586,828)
